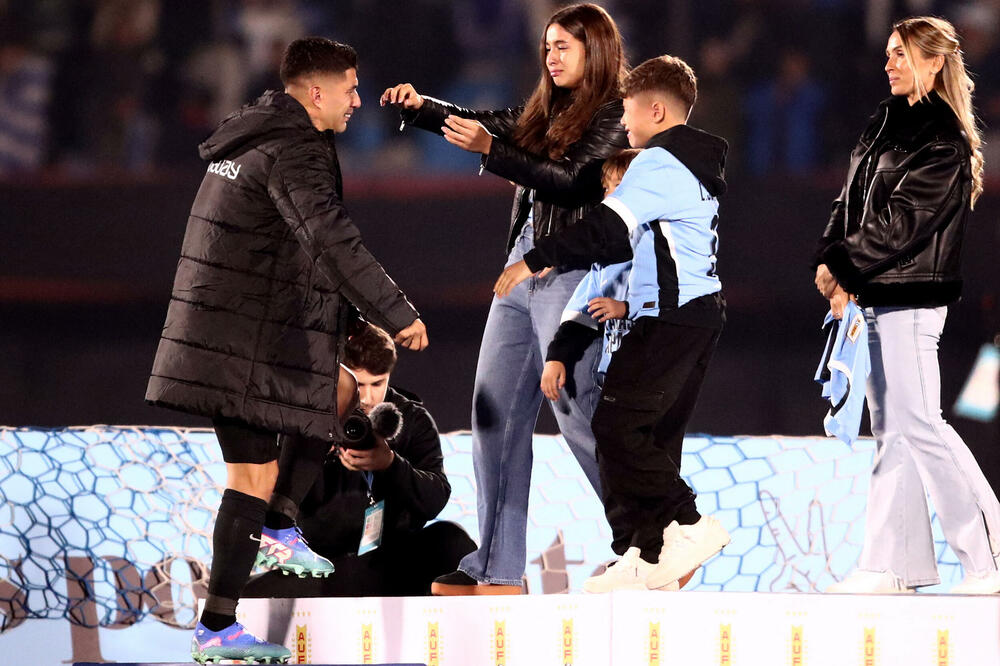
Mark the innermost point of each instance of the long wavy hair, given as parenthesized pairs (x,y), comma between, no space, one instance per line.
(935,36)
(555,117)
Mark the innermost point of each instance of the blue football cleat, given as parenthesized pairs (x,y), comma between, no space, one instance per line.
(235,642)
(287,551)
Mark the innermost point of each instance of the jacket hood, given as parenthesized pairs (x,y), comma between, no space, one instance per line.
(272,112)
(702,153)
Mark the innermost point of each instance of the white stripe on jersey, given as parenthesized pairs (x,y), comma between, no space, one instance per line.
(623,212)
(664,228)
(579,318)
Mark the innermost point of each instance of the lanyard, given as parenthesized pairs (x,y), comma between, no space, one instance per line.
(369,480)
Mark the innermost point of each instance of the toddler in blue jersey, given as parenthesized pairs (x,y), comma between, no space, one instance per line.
(664,217)
(599,299)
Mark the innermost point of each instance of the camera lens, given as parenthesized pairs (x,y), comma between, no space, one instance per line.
(355,428)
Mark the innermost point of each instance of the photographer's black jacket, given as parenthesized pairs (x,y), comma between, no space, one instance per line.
(895,233)
(564,189)
(269,256)
(414,487)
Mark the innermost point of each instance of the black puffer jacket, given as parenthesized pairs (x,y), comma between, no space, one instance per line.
(564,189)
(895,234)
(257,311)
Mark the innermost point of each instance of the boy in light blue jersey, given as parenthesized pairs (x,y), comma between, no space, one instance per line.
(664,216)
(597,304)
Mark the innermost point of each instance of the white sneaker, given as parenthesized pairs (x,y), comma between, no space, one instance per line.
(628,573)
(988,583)
(860,581)
(685,548)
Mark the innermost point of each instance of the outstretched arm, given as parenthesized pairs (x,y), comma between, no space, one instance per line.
(428,113)
(303,191)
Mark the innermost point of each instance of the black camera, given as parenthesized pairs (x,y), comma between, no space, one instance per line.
(360,430)
(358,433)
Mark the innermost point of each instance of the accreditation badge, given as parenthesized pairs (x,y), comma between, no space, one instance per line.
(371,536)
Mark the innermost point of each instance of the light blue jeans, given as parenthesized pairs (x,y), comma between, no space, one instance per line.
(917,453)
(506,400)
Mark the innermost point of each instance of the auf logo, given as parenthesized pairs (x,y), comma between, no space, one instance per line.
(227,168)
(800,564)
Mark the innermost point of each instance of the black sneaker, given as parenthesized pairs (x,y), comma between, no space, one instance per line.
(459,583)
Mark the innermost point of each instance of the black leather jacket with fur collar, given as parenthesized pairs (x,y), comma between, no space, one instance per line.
(563,190)
(895,233)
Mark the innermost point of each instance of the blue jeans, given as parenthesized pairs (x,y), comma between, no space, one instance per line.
(917,452)
(506,400)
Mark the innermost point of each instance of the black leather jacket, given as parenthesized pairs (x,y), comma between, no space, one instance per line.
(564,189)
(895,233)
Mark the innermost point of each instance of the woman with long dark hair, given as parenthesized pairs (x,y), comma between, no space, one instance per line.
(552,148)
(893,244)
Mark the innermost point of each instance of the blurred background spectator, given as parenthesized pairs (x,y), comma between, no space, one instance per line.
(25,90)
(134,84)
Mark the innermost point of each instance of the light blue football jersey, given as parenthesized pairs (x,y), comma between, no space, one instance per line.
(673,222)
(610,281)
(843,371)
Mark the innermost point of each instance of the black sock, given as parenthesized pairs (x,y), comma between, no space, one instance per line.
(216,621)
(299,465)
(235,542)
(277,520)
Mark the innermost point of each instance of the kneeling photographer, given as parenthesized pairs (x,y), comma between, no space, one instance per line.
(368,510)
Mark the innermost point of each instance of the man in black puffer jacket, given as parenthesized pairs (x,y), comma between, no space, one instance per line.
(270,266)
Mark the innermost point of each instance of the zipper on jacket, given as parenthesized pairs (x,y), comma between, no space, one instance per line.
(847,202)
(548,226)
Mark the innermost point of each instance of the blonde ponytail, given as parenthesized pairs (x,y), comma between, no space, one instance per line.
(935,36)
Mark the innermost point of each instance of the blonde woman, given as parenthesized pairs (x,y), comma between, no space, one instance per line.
(893,243)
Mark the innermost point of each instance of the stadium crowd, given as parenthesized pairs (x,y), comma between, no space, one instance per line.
(99,86)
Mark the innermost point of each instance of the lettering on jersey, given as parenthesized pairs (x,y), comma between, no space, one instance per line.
(854,330)
(705,196)
(226,168)
(433,644)
(725,644)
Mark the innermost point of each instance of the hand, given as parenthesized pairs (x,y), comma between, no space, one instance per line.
(553,379)
(373,460)
(403,95)
(413,336)
(838,302)
(514,275)
(825,281)
(467,134)
(604,308)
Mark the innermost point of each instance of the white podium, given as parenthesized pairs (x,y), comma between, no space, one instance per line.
(631,628)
